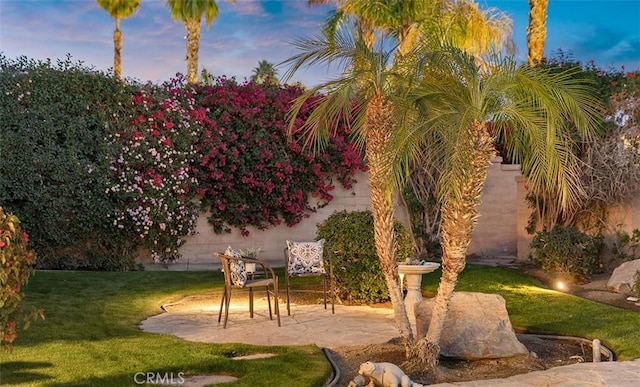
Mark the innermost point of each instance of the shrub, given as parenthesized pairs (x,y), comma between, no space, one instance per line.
(626,246)
(54,160)
(565,251)
(16,266)
(252,172)
(349,236)
(96,167)
(153,173)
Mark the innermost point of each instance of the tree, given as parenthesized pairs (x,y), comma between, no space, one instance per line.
(265,73)
(380,80)
(369,94)
(190,12)
(441,98)
(543,113)
(536,31)
(118,9)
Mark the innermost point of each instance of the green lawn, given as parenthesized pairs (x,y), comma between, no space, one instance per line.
(536,309)
(91,338)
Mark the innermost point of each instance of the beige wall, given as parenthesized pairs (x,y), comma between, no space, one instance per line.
(495,235)
(500,231)
(199,248)
(496,232)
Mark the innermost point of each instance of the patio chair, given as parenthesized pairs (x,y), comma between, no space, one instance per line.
(307,259)
(235,277)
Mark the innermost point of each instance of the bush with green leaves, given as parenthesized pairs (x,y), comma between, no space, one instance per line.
(627,246)
(16,266)
(349,237)
(568,253)
(55,160)
(98,168)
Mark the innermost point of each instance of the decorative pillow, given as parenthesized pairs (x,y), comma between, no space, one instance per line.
(236,268)
(305,258)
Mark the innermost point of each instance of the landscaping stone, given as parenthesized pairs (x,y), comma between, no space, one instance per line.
(477,327)
(623,278)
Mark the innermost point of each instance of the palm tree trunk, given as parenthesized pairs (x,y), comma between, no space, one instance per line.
(379,129)
(536,31)
(117,50)
(459,217)
(193,46)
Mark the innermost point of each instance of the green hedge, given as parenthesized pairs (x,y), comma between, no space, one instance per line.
(358,277)
(54,160)
(567,252)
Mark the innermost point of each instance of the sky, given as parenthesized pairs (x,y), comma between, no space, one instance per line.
(154,46)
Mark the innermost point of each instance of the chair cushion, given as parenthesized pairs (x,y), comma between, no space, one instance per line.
(305,258)
(237,270)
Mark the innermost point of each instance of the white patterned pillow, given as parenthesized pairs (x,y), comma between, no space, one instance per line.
(305,258)
(236,268)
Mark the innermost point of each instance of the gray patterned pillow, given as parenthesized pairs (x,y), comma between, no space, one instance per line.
(237,270)
(305,258)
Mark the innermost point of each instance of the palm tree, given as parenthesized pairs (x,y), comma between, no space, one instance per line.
(458,22)
(265,73)
(467,109)
(536,31)
(190,12)
(410,23)
(441,98)
(371,90)
(118,9)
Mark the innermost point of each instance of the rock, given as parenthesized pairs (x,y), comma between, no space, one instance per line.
(623,278)
(477,327)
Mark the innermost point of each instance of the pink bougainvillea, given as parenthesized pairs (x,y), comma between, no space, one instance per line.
(226,144)
(251,171)
(153,176)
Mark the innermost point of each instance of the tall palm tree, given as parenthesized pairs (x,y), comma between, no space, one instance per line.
(118,9)
(411,23)
(265,73)
(536,31)
(466,110)
(190,12)
(441,98)
(370,90)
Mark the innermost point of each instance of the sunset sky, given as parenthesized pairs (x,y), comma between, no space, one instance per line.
(607,32)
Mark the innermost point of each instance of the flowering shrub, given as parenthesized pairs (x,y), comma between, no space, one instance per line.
(153,177)
(54,161)
(16,265)
(96,167)
(251,171)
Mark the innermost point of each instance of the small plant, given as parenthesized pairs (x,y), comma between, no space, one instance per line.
(627,246)
(567,252)
(349,236)
(251,252)
(16,267)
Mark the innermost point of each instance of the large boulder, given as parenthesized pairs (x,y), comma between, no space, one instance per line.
(624,277)
(477,327)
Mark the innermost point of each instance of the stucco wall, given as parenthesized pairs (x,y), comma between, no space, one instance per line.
(496,232)
(500,231)
(198,251)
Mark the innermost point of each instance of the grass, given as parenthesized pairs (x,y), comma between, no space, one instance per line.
(536,309)
(91,337)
